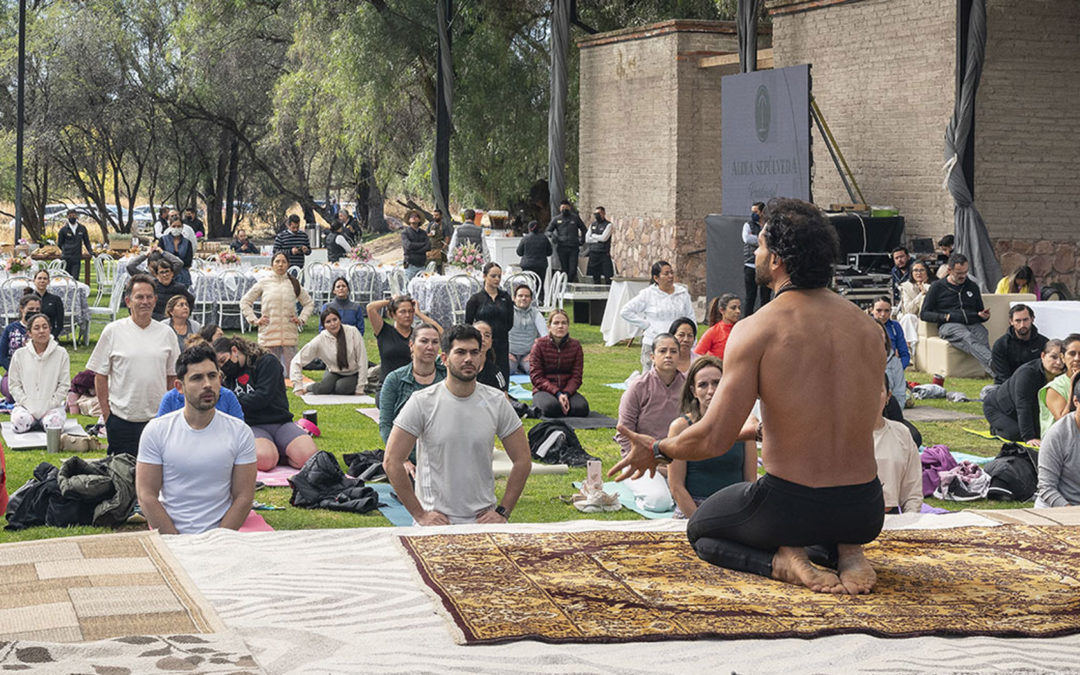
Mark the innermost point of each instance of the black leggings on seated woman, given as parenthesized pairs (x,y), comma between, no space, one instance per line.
(549,405)
(741,526)
(334,383)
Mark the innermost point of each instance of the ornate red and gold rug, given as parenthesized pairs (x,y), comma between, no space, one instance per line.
(612,586)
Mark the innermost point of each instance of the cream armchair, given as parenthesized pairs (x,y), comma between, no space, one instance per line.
(936,356)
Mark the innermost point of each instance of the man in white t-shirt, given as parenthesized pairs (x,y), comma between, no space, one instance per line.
(453,425)
(133,363)
(196,466)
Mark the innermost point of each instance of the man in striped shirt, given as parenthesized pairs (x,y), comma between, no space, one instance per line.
(292,242)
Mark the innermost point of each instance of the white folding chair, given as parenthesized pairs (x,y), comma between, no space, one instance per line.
(316,279)
(232,287)
(105,271)
(549,302)
(67,289)
(363,282)
(54,265)
(11,289)
(398,283)
(106,314)
(526,277)
(557,289)
(459,288)
(200,288)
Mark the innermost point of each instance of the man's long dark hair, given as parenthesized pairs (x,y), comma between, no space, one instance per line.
(804,240)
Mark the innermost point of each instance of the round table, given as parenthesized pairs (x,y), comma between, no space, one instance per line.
(442,300)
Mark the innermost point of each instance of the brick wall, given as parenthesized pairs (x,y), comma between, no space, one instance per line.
(1027,127)
(882,73)
(649,138)
(1027,177)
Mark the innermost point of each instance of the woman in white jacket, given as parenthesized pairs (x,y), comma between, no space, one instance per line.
(342,349)
(39,379)
(279,326)
(655,307)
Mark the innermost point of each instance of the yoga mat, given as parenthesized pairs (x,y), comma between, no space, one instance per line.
(626,498)
(991,437)
(519,392)
(501,464)
(333,399)
(965,457)
(33,440)
(519,378)
(621,386)
(370,413)
(255,523)
(394,511)
(276,477)
(609,586)
(594,421)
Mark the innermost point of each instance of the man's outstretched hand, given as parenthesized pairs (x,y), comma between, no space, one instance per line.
(639,460)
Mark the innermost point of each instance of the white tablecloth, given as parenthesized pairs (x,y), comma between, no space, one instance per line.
(1055,318)
(77,303)
(433,296)
(612,327)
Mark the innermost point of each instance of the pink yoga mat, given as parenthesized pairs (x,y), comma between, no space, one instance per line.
(255,523)
(277,477)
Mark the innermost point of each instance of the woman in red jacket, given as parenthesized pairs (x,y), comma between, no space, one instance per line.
(555,366)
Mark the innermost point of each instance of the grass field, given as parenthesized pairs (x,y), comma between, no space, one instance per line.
(344,430)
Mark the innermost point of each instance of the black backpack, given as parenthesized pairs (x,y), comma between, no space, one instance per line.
(554,442)
(1014,474)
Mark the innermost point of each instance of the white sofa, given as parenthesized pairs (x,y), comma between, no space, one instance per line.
(934,355)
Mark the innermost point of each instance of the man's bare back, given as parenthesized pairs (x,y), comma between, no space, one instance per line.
(819,380)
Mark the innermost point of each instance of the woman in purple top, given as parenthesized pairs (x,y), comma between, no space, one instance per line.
(649,405)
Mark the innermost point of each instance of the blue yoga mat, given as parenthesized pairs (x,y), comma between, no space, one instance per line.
(519,378)
(519,392)
(626,498)
(621,386)
(394,511)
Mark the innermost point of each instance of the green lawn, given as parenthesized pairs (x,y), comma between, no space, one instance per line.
(344,430)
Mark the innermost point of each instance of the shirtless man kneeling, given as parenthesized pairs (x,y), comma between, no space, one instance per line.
(815,361)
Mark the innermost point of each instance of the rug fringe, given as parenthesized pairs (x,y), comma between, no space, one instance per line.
(456,633)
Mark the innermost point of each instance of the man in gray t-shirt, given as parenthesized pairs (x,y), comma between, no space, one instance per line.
(453,425)
(1059,460)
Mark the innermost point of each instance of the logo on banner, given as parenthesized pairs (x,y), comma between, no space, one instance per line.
(762,113)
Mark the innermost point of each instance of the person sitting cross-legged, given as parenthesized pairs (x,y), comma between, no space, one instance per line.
(691,483)
(453,425)
(15,335)
(256,377)
(556,363)
(955,305)
(342,349)
(39,379)
(527,327)
(899,357)
(648,406)
(1013,408)
(196,467)
(424,370)
(1020,344)
(1059,458)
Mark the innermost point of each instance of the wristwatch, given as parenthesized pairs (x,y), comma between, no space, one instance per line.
(658,454)
(501,510)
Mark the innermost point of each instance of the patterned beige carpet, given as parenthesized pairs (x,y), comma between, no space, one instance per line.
(1012,580)
(96,587)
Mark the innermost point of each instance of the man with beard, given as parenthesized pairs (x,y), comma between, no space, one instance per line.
(196,466)
(453,425)
(1022,343)
(819,500)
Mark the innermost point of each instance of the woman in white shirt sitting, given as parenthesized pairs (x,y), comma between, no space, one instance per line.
(342,349)
(912,294)
(39,379)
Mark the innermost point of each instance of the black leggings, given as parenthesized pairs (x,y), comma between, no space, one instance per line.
(1001,424)
(549,405)
(741,526)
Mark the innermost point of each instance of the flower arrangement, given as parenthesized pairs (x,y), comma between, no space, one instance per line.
(468,256)
(360,253)
(17,263)
(228,257)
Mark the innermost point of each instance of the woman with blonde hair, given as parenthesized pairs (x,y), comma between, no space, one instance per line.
(691,483)
(278,323)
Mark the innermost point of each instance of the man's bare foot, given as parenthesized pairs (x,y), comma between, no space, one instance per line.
(856,575)
(790,564)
